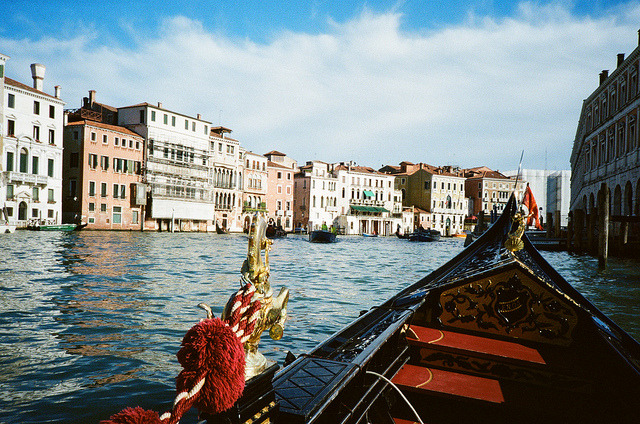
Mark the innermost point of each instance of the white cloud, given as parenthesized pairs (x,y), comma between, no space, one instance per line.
(473,94)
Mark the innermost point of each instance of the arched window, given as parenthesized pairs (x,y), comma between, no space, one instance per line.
(24,160)
(448,202)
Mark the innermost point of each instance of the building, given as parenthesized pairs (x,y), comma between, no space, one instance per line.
(551,189)
(437,193)
(225,166)
(102,170)
(255,187)
(31,127)
(605,160)
(367,200)
(177,167)
(488,191)
(315,196)
(280,178)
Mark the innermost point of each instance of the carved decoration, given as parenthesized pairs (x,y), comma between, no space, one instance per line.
(509,304)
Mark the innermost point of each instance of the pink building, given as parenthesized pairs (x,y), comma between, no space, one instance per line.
(102,183)
(279,198)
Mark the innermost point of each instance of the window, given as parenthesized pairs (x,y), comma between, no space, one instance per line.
(153,115)
(193,126)
(52,136)
(24,157)
(10,193)
(279,175)
(105,140)
(73,160)
(34,165)
(206,128)
(92,207)
(11,101)
(52,111)
(142,116)
(36,133)
(34,213)
(166,119)
(51,197)
(116,141)
(73,186)
(11,127)
(186,124)
(36,107)
(173,121)
(9,161)
(104,162)
(93,136)
(134,217)
(117,214)
(103,207)
(123,191)
(50,213)
(103,189)
(116,191)
(93,160)
(92,188)
(137,145)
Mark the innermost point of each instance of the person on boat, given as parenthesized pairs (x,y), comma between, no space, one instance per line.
(324,226)
(334,230)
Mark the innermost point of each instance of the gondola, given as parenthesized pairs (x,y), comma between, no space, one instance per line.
(495,335)
(425,235)
(322,236)
(221,230)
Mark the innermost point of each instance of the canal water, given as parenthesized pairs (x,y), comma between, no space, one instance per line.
(90,322)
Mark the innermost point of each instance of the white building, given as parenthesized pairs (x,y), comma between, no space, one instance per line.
(255,177)
(225,169)
(552,191)
(177,167)
(356,199)
(31,127)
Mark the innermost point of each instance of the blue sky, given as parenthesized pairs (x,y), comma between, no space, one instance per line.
(465,83)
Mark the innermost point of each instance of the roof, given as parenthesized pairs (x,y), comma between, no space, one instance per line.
(274,153)
(14,83)
(120,129)
(277,165)
(145,104)
(356,168)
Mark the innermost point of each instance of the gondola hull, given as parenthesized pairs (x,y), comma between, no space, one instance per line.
(495,335)
(322,236)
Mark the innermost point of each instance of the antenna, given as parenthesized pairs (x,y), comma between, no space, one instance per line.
(515,189)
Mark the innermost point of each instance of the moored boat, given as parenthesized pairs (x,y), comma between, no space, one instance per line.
(369,235)
(424,235)
(275,231)
(6,227)
(221,230)
(57,227)
(322,236)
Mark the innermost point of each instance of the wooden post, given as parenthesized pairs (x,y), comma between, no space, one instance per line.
(570,231)
(603,213)
(591,229)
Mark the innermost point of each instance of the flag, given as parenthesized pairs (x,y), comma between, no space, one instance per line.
(530,203)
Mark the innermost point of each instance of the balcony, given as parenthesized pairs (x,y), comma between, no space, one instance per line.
(262,207)
(24,178)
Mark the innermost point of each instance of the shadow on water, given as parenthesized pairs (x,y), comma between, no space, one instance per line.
(91,321)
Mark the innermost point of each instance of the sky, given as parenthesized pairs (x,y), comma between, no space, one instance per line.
(466,83)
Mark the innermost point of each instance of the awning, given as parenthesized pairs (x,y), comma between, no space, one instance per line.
(368,208)
(368,193)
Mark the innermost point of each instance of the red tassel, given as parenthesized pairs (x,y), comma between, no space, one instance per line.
(211,350)
(135,415)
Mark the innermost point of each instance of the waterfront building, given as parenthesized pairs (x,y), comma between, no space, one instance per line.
(367,200)
(177,168)
(31,126)
(102,170)
(488,191)
(226,176)
(280,178)
(605,160)
(552,192)
(315,196)
(438,191)
(255,187)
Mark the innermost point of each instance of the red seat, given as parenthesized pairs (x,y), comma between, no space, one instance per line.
(423,379)
(449,340)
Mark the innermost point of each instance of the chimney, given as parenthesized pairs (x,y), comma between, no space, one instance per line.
(159,105)
(92,97)
(603,76)
(57,91)
(37,73)
(620,58)
(199,116)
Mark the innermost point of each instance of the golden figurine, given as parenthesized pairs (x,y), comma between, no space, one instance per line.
(273,310)
(514,241)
